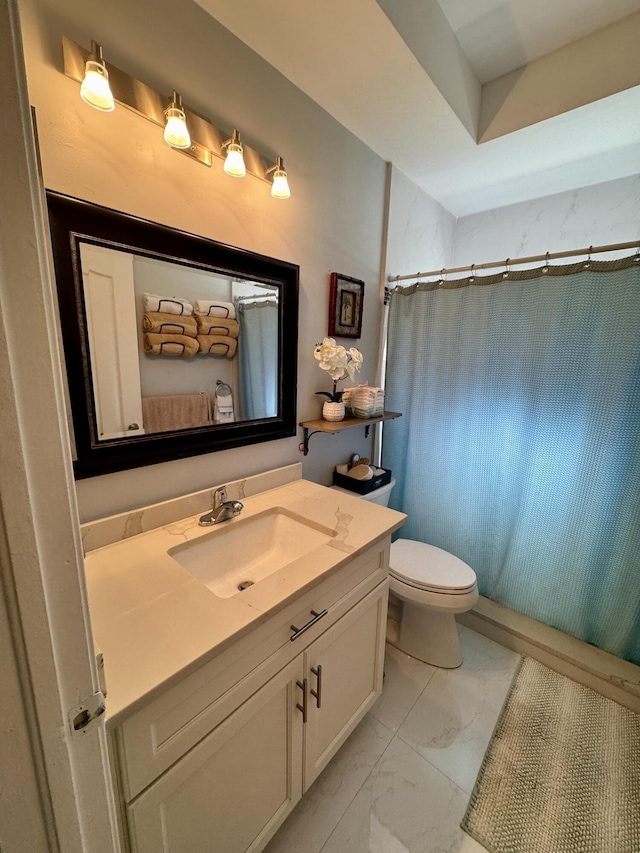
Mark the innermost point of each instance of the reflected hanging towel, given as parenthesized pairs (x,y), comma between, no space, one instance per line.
(217,345)
(175,345)
(169,324)
(217,326)
(183,411)
(223,409)
(166,304)
(214,308)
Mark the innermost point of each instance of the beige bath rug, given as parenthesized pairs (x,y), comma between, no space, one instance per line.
(561,774)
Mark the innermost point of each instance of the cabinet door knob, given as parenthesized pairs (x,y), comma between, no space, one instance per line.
(133,426)
(317,671)
(303,686)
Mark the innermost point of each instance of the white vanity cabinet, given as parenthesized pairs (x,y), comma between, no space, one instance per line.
(215,764)
(231,791)
(345,675)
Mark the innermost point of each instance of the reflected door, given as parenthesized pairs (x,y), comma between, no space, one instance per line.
(113,340)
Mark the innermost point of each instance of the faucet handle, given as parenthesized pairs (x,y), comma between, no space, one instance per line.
(219,496)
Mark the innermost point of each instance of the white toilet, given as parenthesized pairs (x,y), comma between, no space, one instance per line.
(432,586)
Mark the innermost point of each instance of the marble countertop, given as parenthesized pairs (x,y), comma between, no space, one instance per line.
(153,620)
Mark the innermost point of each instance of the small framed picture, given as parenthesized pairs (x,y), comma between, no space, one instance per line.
(345,306)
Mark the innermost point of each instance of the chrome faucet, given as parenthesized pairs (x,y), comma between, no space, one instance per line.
(222,509)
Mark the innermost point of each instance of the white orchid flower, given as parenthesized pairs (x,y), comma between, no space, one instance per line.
(338,362)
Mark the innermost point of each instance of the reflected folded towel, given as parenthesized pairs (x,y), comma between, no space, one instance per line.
(183,411)
(217,326)
(181,345)
(169,324)
(223,409)
(166,304)
(217,345)
(214,308)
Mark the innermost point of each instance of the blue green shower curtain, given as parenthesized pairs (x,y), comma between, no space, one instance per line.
(258,359)
(519,445)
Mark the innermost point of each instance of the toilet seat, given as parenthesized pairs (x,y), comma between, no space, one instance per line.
(426,567)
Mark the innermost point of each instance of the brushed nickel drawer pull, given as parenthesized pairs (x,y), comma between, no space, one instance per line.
(303,707)
(316,618)
(317,694)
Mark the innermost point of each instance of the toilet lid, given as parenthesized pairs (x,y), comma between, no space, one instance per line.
(428,567)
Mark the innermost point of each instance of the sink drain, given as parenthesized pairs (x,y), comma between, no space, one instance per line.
(244,585)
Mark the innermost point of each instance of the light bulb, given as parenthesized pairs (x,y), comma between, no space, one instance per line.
(176,133)
(95,89)
(280,185)
(234,164)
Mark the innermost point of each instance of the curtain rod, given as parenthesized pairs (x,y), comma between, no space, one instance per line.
(549,256)
(253,297)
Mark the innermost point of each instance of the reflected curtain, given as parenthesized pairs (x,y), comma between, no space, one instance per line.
(519,446)
(258,359)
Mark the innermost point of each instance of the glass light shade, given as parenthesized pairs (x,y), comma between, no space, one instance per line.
(175,130)
(95,89)
(280,186)
(234,163)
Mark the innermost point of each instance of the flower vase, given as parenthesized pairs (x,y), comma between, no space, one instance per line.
(333,411)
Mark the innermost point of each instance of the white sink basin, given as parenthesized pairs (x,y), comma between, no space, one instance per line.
(239,553)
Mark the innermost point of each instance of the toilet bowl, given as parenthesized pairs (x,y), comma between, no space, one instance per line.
(432,586)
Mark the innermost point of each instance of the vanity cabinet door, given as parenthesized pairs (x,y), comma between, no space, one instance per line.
(344,667)
(233,790)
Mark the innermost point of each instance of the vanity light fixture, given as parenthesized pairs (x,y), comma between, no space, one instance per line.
(234,163)
(176,133)
(188,132)
(280,185)
(95,89)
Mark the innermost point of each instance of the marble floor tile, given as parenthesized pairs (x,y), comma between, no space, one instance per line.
(405,806)
(451,723)
(317,814)
(404,680)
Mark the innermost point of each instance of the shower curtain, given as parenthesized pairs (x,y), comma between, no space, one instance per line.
(258,357)
(519,446)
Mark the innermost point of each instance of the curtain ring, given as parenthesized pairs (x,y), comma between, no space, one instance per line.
(441,280)
(545,268)
(637,257)
(587,263)
(472,277)
(507,271)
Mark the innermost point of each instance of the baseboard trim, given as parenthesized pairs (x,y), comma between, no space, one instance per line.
(607,674)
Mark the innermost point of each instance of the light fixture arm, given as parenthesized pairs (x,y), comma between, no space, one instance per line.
(233,140)
(175,103)
(278,166)
(96,52)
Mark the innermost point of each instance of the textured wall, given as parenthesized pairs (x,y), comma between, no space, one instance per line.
(591,216)
(421,231)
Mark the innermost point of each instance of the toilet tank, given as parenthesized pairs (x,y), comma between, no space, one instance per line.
(377,496)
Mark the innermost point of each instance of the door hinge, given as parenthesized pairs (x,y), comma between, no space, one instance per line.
(86,716)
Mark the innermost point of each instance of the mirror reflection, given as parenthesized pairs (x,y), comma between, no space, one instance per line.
(175,344)
(174,347)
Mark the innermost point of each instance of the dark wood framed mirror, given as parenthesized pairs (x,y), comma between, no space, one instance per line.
(175,345)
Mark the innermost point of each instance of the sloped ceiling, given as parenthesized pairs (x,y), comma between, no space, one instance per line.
(415,80)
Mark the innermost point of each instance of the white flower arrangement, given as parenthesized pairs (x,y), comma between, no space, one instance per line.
(340,363)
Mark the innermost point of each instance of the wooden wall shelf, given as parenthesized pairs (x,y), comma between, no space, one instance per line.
(332,427)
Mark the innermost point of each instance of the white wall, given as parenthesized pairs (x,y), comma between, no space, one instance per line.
(421,231)
(597,215)
(333,220)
